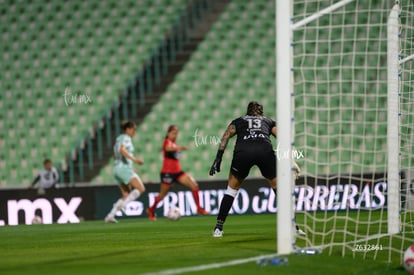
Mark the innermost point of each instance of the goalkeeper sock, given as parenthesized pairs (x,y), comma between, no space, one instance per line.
(131,197)
(225,206)
(219,225)
(275,191)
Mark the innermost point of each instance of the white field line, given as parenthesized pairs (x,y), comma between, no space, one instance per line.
(208,266)
(246,260)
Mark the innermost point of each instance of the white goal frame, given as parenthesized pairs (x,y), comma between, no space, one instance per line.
(285,119)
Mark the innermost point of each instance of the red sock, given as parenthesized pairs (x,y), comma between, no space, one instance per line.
(196,198)
(157,200)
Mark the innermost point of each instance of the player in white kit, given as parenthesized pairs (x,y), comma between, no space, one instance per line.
(130,184)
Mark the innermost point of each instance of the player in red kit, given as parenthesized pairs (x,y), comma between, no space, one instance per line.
(171,172)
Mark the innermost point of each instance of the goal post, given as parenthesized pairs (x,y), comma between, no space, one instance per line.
(285,121)
(393,142)
(345,97)
(406,122)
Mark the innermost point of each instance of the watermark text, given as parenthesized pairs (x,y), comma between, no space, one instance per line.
(72,98)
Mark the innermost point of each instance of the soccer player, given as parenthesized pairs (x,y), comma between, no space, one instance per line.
(171,172)
(129,182)
(253,147)
(48,177)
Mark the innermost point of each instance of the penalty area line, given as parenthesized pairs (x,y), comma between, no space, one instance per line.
(208,266)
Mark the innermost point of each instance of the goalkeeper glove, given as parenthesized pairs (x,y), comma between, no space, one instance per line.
(296,169)
(217,162)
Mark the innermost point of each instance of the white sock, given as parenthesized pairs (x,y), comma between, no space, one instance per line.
(117,206)
(231,192)
(131,197)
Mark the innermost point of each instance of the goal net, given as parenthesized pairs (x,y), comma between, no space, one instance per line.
(352,117)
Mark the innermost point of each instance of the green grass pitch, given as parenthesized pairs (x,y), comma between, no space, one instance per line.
(138,246)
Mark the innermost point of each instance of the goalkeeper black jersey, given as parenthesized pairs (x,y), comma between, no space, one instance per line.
(253,130)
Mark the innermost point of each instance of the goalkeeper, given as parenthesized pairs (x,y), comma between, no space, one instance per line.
(253,147)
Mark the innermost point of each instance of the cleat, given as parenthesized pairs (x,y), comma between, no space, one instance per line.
(151,215)
(217,233)
(300,232)
(110,220)
(201,211)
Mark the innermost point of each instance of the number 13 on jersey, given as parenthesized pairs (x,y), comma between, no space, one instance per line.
(254,123)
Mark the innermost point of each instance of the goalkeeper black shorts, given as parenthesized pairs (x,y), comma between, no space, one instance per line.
(244,160)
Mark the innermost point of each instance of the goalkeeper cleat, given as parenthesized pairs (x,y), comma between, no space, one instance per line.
(300,232)
(151,215)
(201,211)
(217,233)
(109,219)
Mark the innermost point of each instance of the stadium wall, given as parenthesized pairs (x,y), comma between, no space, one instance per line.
(93,202)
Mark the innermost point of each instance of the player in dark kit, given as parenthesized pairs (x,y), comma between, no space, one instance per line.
(253,147)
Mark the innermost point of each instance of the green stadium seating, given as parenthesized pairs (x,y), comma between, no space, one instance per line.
(97,48)
(223,75)
(90,47)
